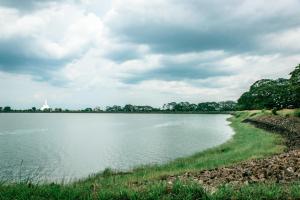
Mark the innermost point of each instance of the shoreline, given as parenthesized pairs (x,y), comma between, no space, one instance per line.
(144,182)
(78,112)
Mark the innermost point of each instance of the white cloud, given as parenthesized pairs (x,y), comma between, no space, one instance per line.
(284,41)
(60,31)
(93,47)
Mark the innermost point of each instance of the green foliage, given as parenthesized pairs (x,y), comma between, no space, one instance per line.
(107,172)
(295,85)
(297,113)
(259,191)
(7,109)
(201,107)
(180,190)
(268,94)
(274,111)
(57,110)
(88,110)
(178,107)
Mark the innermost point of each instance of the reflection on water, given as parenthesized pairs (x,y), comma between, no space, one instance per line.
(67,146)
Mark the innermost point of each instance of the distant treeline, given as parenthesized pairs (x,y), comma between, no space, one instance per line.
(178,107)
(273,94)
(263,94)
(173,107)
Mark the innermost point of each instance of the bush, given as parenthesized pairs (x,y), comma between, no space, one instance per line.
(108,172)
(274,111)
(297,113)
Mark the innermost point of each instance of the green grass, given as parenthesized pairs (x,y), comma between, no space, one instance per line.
(148,182)
(288,112)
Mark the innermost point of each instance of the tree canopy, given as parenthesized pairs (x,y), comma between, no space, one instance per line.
(269,94)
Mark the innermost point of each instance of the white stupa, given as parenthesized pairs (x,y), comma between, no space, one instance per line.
(45,106)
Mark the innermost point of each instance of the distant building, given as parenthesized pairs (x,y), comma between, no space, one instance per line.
(45,106)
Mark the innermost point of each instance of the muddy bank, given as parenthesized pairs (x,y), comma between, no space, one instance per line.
(288,127)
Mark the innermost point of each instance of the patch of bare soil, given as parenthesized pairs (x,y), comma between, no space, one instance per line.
(281,168)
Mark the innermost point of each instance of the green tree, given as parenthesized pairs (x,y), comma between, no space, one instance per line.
(7,109)
(128,108)
(295,86)
(266,93)
(114,108)
(88,110)
(57,110)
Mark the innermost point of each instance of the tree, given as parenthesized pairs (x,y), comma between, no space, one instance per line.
(7,109)
(33,109)
(88,110)
(128,108)
(114,108)
(0,109)
(273,94)
(208,106)
(266,93)
(295,86)
(97,109)
(169,106)
(57,110)
(227,105)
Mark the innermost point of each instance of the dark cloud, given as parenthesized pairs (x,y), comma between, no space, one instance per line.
(172,27)
(25,5)
(164,38)
(171,70)
(233,26)
(19,56)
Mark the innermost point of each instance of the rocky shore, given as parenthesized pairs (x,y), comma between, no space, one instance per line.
(282,168)
(288,127)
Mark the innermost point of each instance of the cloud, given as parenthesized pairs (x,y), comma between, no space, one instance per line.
(44,40)
(176,27)
(144,52)
(27,5)
(182,67)
(285,41)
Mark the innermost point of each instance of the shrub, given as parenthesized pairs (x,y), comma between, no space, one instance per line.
(108,172)
(297,113)
(274,111)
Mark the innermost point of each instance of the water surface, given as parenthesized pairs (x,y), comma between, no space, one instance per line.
(53,146)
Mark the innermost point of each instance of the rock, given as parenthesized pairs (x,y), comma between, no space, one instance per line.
(247,173)
(290,170)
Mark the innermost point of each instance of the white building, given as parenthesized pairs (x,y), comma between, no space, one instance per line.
(45,106)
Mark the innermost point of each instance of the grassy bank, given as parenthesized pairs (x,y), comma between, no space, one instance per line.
(148,182)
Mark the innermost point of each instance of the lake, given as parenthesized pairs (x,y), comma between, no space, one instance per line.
(66,146)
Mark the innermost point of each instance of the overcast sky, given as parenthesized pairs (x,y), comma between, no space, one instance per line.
(87,53)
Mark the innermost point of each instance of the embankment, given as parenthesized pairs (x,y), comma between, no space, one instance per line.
(288,127)
(280,168)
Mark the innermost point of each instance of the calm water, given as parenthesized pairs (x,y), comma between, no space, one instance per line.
(68,146)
